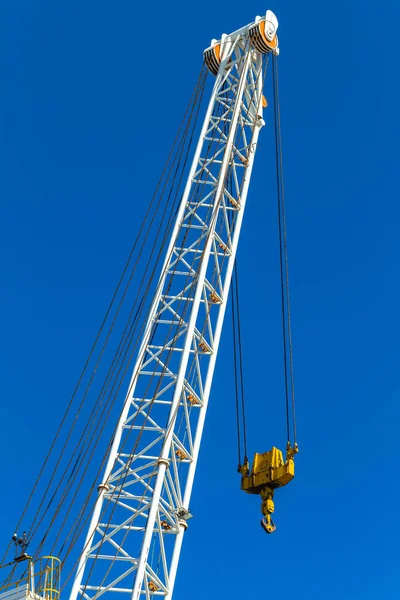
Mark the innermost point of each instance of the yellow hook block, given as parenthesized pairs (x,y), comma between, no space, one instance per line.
(269,471)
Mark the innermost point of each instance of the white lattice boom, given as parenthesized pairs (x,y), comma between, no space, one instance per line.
(135,537)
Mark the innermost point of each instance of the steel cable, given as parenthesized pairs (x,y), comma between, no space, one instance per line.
(96,341)
(283,261)
(148,279)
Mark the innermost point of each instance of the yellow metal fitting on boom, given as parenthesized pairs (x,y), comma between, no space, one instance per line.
(268,472)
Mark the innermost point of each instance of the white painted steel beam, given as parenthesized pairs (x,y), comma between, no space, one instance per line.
(137,527)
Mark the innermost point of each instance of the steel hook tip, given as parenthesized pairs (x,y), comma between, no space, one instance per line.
(268,527)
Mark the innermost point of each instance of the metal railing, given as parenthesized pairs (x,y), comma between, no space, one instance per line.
(42,578)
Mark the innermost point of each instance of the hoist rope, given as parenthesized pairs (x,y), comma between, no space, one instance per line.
(240,405)
(283,260)
(284,293)
(237,393)
(198,90)
(238,365)
(240,360)
(146,277)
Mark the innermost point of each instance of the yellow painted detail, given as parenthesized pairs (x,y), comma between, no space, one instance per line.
(264,101)
(203,346)
(214,298)
(180,454)
(192,399)
(234,202)
(217,52)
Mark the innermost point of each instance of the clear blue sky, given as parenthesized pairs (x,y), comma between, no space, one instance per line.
(89,106)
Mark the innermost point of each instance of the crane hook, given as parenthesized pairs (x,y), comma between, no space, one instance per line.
(268,472)
(267,524)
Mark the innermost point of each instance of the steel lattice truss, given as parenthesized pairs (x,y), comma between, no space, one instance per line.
(137,528)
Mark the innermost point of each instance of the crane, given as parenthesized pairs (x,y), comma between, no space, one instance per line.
(142,510)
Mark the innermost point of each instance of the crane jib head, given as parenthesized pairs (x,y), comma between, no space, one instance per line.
(262,34)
